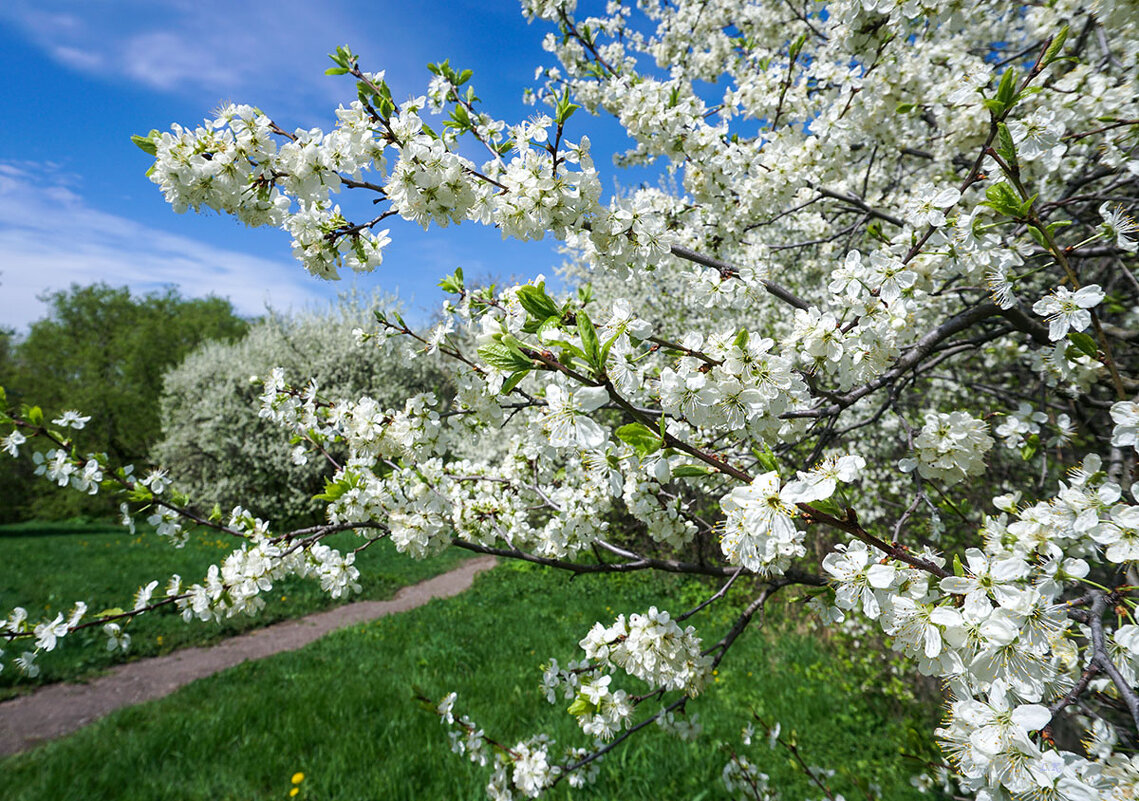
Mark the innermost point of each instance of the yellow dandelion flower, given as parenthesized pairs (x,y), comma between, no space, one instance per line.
(298,777)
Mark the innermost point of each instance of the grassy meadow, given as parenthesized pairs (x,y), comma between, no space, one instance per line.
(47,567)
(341,710)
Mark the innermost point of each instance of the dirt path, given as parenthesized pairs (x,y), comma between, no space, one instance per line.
(60,709)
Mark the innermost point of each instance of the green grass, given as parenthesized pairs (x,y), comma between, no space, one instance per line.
(47,567)
(341,710)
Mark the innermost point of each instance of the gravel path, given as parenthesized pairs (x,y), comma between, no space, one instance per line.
(60,709)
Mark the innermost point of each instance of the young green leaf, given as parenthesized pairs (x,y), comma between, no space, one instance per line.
(453,284)
(691,471)
(510,383)
(766,460)
(1006,148)
(503,357)
(146,143)
(34,415)
(642,438)
(1084,343)
(589,341)
(1054,48)
(536,302)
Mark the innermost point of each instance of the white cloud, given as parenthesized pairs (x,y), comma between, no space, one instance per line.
(213,49)
(50,238)
(76,58)
(163,60)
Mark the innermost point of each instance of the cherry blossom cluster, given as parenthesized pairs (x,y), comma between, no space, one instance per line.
(235,586)
(950,447)
(523,770)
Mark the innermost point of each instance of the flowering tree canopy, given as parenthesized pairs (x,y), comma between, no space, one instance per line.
(227,453)
(881,308)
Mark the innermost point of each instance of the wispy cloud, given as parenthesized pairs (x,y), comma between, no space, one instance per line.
(50,237)
(210,48)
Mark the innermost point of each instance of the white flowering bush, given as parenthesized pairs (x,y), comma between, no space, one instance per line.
(227,453)
(893,233)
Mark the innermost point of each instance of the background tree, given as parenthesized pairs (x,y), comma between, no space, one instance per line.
(226,453)
(103,350)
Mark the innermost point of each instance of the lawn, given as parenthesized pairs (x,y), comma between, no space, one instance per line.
(341,710)
(47,567)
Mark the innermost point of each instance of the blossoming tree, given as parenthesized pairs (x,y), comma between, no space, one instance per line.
(900,330)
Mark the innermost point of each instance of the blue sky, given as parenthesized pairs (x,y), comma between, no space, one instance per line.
(81,76)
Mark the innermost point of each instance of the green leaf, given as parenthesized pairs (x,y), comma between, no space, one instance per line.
(146,143)
(589,341)
(343,57)
(1006,90)
(336,71)
(453,284)
(1031,446)
(829,506)
(460,120)
(609,344)
(569,350)
(140,494)
(581,706)
(509,384)
(34,415)
(641,438)
(496,354)
(1084,343)
(1006,148)
(1057,44)
(797,46)
(564,108)
(536,302)
(114,611)
(1003,199)
(691,471)
(766,459)
(544,329)
(904,108)
(332,491)
(958,568)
